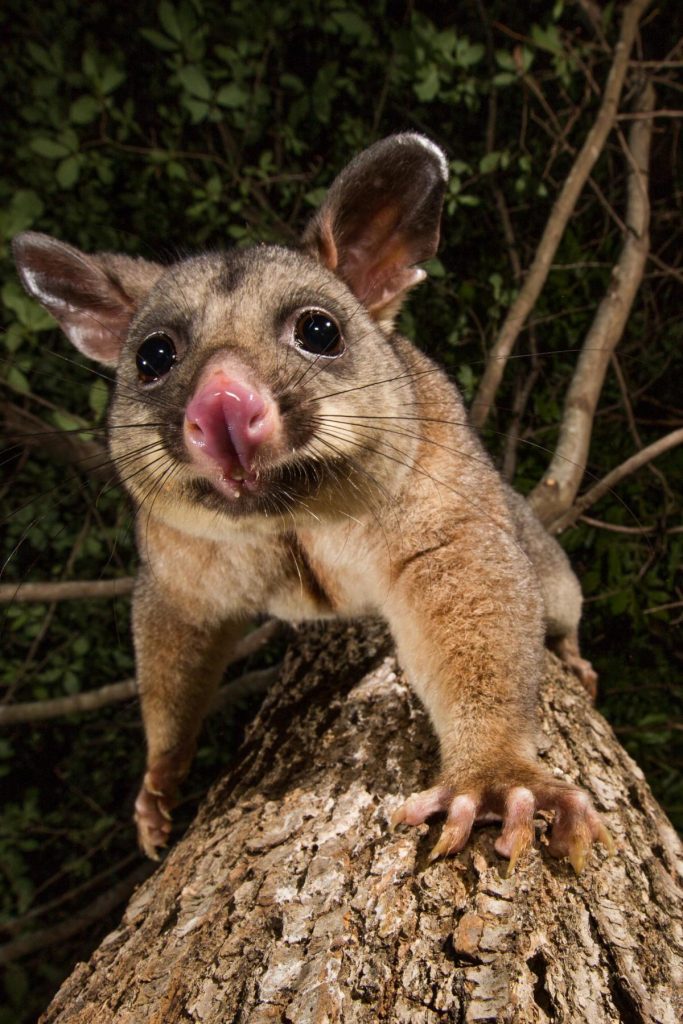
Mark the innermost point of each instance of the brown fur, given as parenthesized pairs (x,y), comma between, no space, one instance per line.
(376,497)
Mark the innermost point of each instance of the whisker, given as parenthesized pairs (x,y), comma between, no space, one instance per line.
(416,467)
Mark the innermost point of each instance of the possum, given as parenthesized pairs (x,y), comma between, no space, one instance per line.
(289,453)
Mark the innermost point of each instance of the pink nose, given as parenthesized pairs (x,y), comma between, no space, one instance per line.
(228,421)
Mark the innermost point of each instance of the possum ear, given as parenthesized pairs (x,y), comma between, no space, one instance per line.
(381,217)
(94,298)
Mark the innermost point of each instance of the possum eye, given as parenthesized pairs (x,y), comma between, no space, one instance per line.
(155,357)
(317,332)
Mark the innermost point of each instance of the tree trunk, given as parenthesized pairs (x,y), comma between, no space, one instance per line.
(291,900)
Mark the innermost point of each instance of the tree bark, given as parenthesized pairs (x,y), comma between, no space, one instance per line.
(290,900)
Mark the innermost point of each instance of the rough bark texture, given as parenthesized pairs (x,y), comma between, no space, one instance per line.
(290,900)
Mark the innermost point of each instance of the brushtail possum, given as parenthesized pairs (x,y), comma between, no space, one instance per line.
(289,453)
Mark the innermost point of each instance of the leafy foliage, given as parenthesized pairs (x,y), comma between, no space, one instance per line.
(197,123)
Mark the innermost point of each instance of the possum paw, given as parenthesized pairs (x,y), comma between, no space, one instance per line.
(567,650)
(158,797)
(152,817)
(576,824)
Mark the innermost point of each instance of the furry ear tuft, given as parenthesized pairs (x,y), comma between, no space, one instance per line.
(381,217)
(94,298)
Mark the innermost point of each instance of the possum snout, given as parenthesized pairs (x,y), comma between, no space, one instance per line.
(227,424)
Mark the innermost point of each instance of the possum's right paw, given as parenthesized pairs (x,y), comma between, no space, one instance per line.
(152,816)
(158,796)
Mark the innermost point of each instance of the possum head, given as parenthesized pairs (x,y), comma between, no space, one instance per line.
(252,383)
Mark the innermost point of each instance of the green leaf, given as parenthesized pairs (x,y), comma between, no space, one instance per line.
(84,110)
(41,57)
(466,380)
(489,162)
(72,683)
(68,171)
(194,80)
(198,109)
(435,268)
(48,148)
(315,196)
(98,397)
(175,170)
(24,210)
(427,89)
(468,53)
(505,60)
(353,25)
(527,59)
(169,20)
(89,63)
(26,310)
(65,421)
(69,139)
(547,38)
(231,96)
(292,82)
(111,79)
(18,381)
(12,337)
(161,42)
(35,318)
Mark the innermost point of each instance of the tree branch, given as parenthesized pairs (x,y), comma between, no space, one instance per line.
(71,590)
(561,212)
(291,899)
(641,458)
(78,921)
(560,484)
(91,700)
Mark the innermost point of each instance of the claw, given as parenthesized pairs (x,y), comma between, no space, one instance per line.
(151,852)
(166,814)
(578,848)
(446,844)
(523,842)
(603,836)
(397,818)
(456,831)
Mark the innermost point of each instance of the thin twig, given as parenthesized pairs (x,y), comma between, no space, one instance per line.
(600,524)
(72,590)
(92,700)
(78,920)
(641,458)
(633,427)
(561,212)
(75,703)
(17,924)
(663,607)
(655,113)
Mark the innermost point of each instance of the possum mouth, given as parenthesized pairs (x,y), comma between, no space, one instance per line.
(278,490)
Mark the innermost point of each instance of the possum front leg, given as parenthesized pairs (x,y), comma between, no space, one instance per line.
(180,661)
(469,632)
